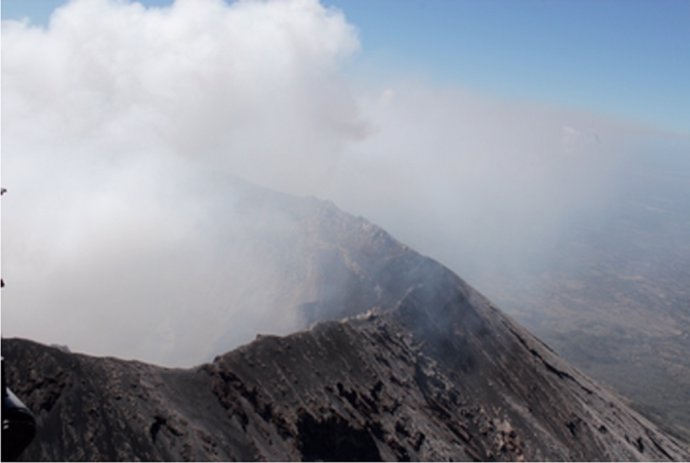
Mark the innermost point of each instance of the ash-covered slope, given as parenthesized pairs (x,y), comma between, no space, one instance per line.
(433,378)
(424,368)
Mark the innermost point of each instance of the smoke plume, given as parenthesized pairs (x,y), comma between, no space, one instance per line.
(121,123)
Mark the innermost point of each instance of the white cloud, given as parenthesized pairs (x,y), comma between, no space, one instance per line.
(115,119)
(118,122)
(199,79)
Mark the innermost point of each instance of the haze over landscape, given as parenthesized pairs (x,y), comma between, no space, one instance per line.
(551,172)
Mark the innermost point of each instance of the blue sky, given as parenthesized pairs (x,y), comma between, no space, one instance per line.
(626,58)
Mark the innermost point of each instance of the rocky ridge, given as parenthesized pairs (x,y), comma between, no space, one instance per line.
(405,361)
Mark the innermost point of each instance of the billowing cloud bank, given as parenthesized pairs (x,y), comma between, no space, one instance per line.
(116,117)
(198,80)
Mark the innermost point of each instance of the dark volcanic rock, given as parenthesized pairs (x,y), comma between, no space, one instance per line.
(423,368)
(454,380)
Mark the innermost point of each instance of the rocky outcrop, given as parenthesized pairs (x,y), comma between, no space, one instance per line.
(404,362)
(439,375)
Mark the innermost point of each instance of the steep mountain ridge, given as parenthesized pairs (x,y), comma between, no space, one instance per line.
(414,364)
(388,384)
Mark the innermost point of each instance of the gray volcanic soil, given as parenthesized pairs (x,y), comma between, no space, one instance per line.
(422,368)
